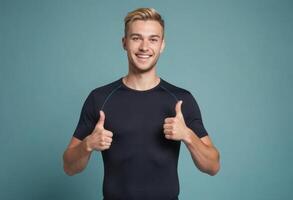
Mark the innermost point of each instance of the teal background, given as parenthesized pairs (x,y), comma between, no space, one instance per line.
(234,56)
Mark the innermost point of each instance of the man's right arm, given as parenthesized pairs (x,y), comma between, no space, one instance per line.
(75,157)
(78,152)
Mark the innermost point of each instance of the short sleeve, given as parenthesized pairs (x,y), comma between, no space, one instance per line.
(87,119)
(192,116)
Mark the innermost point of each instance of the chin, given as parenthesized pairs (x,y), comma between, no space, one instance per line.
(142,69)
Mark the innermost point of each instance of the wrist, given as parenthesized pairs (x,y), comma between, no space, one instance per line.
(85,145)
(187,136)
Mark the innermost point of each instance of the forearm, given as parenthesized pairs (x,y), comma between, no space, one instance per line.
(205,157)
(75,159)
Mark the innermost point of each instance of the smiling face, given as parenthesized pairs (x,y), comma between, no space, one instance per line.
(144,43)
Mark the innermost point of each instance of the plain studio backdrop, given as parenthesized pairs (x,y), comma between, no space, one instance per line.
(235,57)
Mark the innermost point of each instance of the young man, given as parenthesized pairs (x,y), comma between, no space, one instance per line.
(139,121)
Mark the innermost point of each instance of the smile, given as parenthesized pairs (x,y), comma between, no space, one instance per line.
(144,56)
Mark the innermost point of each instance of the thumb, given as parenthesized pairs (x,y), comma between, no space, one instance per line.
(102,119)
(178,108)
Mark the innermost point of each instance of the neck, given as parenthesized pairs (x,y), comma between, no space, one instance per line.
(143,81)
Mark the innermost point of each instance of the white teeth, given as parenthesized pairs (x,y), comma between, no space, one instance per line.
(143,56)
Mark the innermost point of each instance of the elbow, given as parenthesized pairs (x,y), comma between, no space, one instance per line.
(214,165)
(66,167)
(71,170)
(211,170)
(68,171)
(215,168)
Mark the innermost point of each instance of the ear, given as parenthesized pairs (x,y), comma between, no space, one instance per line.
(162,46)
(124,43)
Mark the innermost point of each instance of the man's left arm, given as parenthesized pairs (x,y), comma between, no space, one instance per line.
(204,154)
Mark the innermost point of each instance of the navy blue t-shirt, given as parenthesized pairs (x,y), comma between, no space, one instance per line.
(141,163)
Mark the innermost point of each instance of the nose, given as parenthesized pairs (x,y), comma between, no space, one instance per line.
(143,45)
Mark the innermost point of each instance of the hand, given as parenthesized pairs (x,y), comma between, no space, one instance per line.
(175,127)
(100,139)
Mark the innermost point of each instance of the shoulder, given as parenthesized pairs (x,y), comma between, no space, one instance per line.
(189,101)
(179,92)
(99,94)
(104,90)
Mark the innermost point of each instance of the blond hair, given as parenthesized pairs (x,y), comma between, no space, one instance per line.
(143,14)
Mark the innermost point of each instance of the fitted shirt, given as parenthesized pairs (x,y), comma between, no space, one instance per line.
(141,164)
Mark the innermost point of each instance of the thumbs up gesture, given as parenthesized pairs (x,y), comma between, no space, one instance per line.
(175,127)
(100,139)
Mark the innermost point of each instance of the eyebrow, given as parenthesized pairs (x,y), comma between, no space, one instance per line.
(137,34)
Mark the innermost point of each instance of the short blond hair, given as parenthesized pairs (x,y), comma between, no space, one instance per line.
(143,14)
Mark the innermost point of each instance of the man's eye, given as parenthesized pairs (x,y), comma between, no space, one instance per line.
(154,40)
(135,38)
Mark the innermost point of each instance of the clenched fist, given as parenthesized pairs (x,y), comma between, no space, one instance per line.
(175,127)
(100,139)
